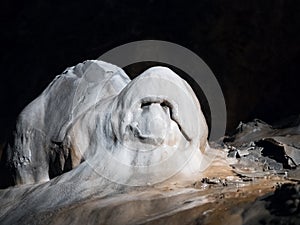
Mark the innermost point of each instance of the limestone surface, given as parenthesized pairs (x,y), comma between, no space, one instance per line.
(116,151)
(132,132)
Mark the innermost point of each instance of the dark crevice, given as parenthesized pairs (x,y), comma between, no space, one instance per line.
(144,104)
(274,151)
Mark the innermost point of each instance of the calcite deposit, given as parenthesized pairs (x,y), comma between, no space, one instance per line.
(133,132)
(98,148)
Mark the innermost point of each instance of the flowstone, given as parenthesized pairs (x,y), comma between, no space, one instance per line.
(98,148)
(132,132)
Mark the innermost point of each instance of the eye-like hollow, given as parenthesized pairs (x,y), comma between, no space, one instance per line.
(166,105)
(144,104)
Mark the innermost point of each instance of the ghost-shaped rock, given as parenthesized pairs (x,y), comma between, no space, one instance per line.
(132,132)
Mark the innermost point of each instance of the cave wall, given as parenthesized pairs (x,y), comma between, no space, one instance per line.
(251,46)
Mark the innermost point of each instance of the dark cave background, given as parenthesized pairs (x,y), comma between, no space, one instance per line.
(251,46)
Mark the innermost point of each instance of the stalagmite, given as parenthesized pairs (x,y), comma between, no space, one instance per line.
(132,132)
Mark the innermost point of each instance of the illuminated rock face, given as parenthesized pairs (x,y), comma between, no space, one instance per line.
(135,132)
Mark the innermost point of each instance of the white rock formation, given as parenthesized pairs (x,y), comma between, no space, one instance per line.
(135,132)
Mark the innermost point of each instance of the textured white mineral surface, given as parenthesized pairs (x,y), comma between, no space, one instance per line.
(98,148)
(133,132)
(94,135)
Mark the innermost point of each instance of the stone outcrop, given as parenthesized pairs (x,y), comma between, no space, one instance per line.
(135,132)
